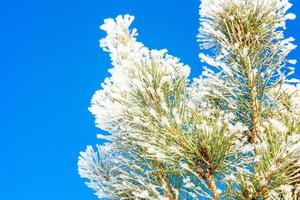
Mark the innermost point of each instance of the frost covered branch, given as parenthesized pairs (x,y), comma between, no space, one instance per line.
(232,133)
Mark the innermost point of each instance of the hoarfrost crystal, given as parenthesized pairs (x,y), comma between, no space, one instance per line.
(232,133)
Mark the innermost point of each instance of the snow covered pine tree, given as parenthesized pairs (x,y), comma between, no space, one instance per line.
(232,133)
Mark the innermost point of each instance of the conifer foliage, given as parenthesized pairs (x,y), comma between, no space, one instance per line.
(232,133)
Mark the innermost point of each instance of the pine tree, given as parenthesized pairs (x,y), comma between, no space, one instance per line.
(232,133)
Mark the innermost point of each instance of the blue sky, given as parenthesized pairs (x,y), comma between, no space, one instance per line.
(50,67)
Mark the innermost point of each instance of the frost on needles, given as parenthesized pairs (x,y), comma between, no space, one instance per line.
(232,133)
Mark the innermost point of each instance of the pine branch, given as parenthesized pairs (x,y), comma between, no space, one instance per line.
(233,133)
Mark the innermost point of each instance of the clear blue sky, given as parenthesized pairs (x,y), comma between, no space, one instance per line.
(50,67)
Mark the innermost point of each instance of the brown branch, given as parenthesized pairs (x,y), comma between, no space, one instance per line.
(212,185)
(208,175)
(254,113)
(253,103)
